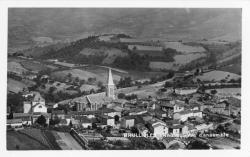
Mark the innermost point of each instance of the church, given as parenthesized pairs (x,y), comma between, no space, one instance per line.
(93,102)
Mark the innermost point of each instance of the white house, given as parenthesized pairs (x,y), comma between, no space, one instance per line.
(127,122)
(184,115)
(158,128)
(15,123)
(36,104)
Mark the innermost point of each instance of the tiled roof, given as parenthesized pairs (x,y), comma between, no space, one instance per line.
(14,121)
(19,115)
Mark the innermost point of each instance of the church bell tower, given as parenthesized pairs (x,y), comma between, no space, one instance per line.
(110,88)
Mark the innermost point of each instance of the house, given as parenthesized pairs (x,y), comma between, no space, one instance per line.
(107,120)
(58,114)
(36,115)
(127,121)
(84,122)
(158,128)
(25,117)
(184,115)
(137,111)
(178,129)
(63,122)
(221,108)
(36,104)
(171,107)
(109,112)
(14,124)
(142,129)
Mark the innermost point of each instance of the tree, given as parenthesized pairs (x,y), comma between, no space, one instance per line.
(121,96)
(117,118)
(197,144)
(41,120)
(167,84)
(52,89)
(213,91)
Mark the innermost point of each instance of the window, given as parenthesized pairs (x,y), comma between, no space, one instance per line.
(40,106)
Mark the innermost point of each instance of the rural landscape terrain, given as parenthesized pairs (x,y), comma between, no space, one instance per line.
(123,79)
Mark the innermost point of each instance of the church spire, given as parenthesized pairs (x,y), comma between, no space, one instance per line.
(110,89)
(110,78)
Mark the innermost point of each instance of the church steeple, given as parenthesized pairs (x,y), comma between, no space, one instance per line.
(110,91)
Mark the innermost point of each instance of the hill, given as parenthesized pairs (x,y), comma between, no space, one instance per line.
(29,26)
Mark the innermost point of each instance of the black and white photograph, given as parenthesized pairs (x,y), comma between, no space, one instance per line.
(123,78)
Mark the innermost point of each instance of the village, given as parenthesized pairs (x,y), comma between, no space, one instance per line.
(173,112)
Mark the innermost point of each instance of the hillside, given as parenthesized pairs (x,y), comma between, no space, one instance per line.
(45,26)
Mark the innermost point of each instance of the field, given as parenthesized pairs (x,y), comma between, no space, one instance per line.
(180,60)
(187,58)
(163,65)
(217,76)
(109,53)
(15,86)
(87,87)
(233,68)
(16,67)
(223,143)
(15,140)
(178,46)
(36,66)
(66,141)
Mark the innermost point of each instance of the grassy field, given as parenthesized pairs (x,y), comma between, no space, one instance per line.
(15,86)
(217,75)
(36,66)
(110,53)
(178,46)
(233,68)
(16,140)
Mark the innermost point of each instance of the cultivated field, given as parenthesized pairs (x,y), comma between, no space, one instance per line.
(19,141)
(66,141)
(180,47)
(187,58)
(216,76)
(15,86)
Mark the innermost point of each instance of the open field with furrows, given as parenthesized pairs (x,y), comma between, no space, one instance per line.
(180,47)
(16,141)
(217,75)
(66,141)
